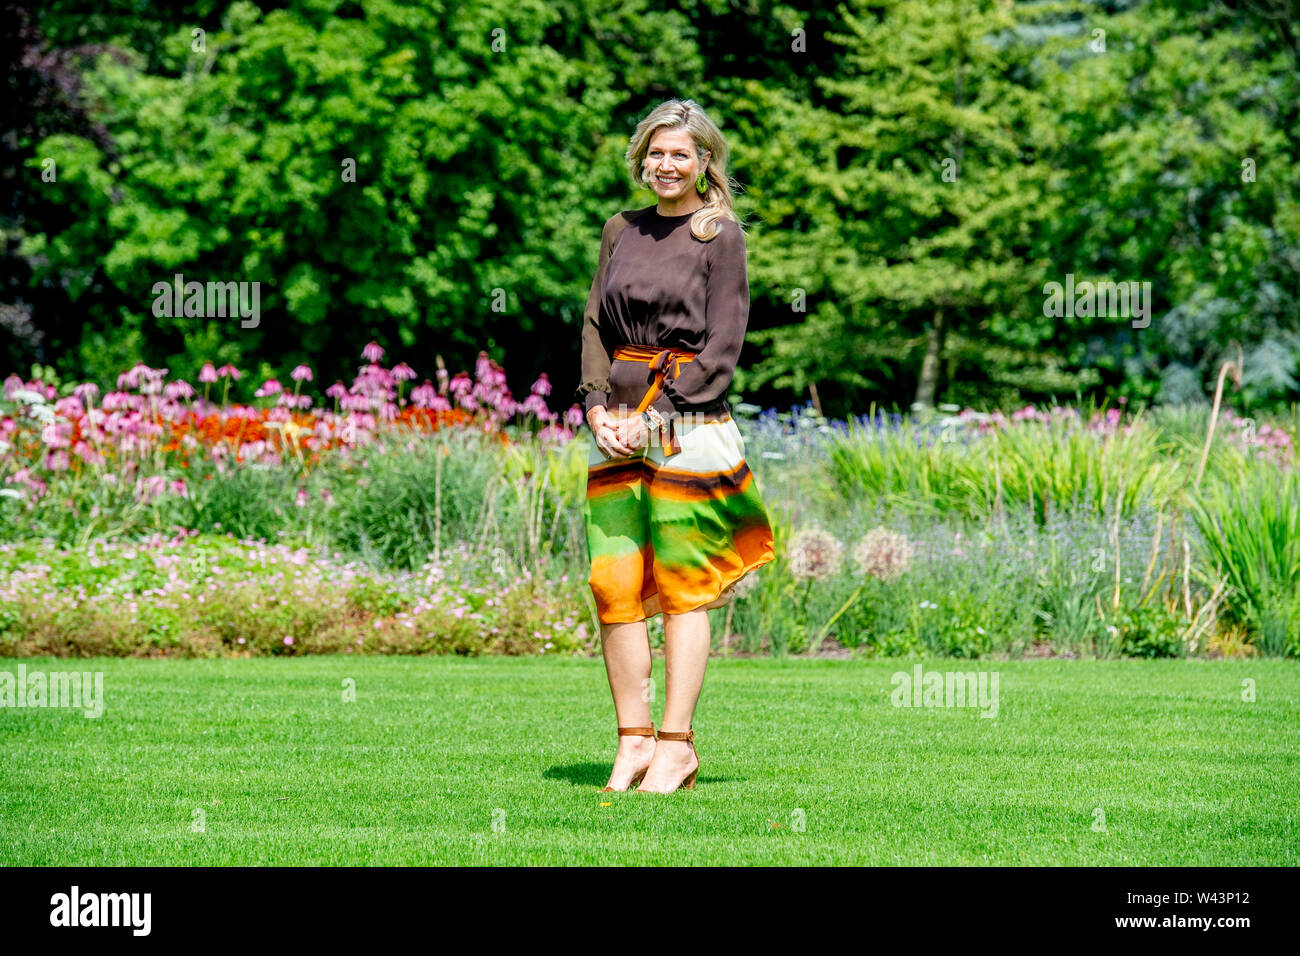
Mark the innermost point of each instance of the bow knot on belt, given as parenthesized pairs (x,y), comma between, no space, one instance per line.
(665,363)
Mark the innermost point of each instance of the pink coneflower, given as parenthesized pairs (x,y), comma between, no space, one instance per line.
(337,390)
(229,370)
(372,352)
(146,489)
(301,498)
(24,477)
(129,379)
(207,374)
(269,387)
(542,386)
(87,454)
(403,372)
(422,396)
(355,403)
(86,391)
(57,434)
(301,374)
(533,403)
(373,380)
(69,407)
(177,487)
(57,460)
(460,382)
(178,389)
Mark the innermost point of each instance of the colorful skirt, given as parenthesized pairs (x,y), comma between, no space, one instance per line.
(673,533)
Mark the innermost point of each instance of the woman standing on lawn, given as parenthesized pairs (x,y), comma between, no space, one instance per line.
(674,517)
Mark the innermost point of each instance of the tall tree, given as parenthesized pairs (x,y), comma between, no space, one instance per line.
(928,164)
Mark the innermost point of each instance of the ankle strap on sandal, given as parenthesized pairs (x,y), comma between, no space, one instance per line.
(678,735)
(637,731)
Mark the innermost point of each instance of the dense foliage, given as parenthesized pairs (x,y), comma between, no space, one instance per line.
(435,175)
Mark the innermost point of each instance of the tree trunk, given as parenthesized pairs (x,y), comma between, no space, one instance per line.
(925,387)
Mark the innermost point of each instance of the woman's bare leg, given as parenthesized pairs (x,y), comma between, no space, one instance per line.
(686,652)
(627,664)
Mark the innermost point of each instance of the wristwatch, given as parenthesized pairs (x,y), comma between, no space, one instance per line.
(653,418)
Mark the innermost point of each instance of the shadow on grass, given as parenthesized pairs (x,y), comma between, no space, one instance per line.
(596,774)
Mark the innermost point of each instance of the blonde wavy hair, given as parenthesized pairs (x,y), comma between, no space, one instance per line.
(690,116)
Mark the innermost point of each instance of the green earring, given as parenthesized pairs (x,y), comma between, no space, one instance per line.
(701,184)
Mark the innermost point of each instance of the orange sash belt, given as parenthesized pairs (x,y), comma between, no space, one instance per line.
(665,362)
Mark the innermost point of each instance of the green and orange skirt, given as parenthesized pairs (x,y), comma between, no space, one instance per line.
(673,527)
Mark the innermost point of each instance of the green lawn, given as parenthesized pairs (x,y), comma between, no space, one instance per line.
(433,750)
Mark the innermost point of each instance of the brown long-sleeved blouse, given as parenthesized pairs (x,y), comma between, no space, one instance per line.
(657,285)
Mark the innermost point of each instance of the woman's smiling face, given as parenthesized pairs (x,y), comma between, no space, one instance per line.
(671,166)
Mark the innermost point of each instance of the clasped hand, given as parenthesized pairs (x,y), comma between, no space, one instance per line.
(621,438)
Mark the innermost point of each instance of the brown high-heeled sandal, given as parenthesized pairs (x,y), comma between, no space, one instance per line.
(633,732)
(689,736)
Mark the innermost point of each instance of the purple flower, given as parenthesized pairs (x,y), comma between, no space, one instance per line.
(178,389)
(460,382)
(57,460)
(533,403)
(70,407)
(207,373)
(372,352)
(422,395)
(131,379)
(301,374)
